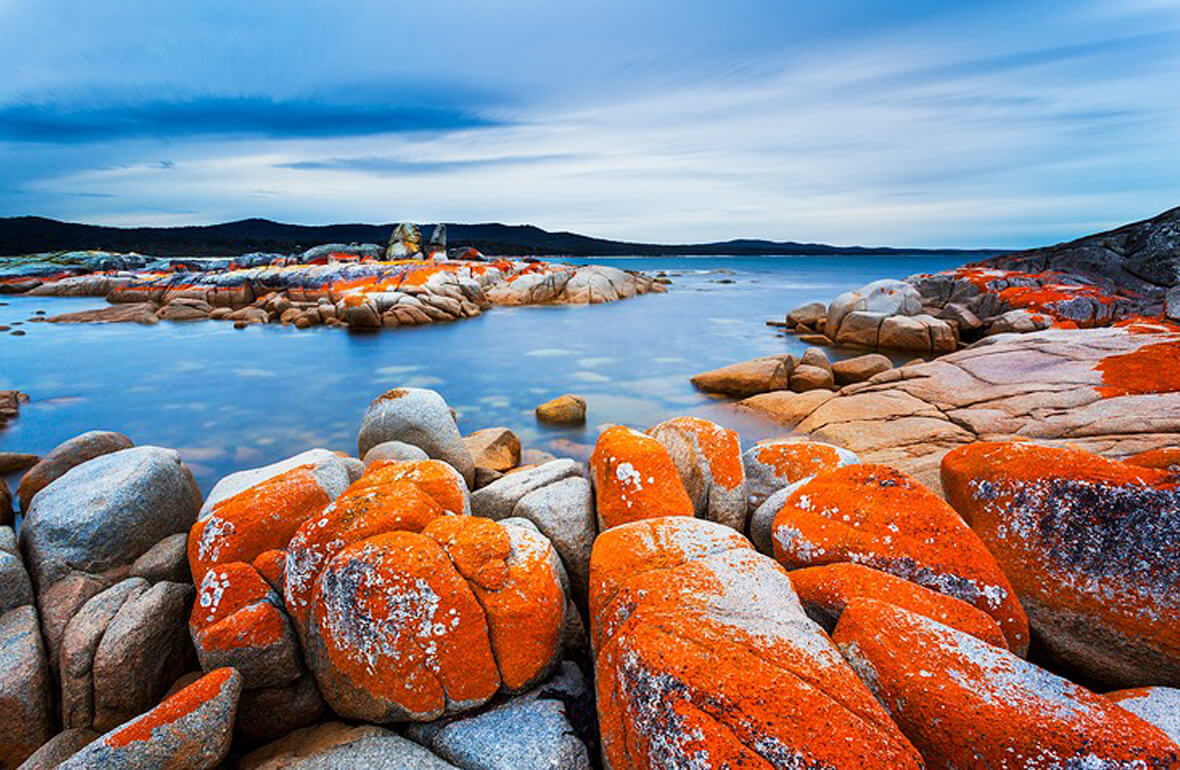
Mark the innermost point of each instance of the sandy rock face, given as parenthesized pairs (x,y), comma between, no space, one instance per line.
(1057,386)
(634,477)
(977,705)
(191,730)
(1090,546)
(705,658)
(882,518)
(419,417)
(414,626)
(708,458)
(748,378)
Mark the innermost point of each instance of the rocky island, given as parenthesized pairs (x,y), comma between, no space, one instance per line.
(965,561)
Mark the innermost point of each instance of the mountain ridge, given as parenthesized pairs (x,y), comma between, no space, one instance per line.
(30,234)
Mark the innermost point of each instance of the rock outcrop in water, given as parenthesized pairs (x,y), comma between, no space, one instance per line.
(335,285)
(782,607)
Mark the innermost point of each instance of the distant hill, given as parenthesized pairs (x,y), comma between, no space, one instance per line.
(25,235)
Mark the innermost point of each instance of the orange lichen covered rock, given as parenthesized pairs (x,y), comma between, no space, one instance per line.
(634,478)
(361,512)
(882,518)
(434,477)
(1165,458)
(272,565)
(826,591)
(1090,546)
(260,518)
(191,730)
(514,575)
(708,458)
(408,625)
(1158,705)
(964,703)
(704,658)
(238,620)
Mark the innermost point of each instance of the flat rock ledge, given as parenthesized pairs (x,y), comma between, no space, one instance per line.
(1110,391)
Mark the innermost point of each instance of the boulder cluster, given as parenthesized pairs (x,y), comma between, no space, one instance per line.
(677,601)
(933,314)
(345,287)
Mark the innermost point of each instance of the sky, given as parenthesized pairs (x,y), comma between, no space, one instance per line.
(978,123)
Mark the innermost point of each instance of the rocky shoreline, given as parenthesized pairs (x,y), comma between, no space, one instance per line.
(340,285)
(676,601)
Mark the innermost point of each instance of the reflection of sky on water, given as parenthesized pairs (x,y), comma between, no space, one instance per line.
(230,399)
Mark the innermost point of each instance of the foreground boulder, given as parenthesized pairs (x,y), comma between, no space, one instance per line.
(191,730)
(414,626)
(882,518)
(977,705)
(708,458)
(776,463)
(65,456)
(634,478)
(1159,706)
(418,417)
(1091,548)
(704,658)
(24,671)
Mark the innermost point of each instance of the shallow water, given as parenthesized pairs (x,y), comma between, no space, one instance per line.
(230,399)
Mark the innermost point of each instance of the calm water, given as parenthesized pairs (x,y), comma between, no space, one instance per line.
(231,399)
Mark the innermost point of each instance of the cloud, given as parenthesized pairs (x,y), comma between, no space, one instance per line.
(387,166)
(54,123)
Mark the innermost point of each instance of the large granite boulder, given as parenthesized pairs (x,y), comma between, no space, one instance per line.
(634,478)
(882,518)
(419,417)
(886,296)
(1090,546)
(65,456)
(704,657)
(25,681)
(966,703)
(1158,705)
(708,458)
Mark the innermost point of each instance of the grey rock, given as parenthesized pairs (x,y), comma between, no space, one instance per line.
(887,296)
(1158,705)
(107,512)
(166,560)
(762,519)
(16,589)
(498,499)
(59,748)
(564,512)
(420,417)
(145,648)
(267,713)
(24,686)
(65,456)
(395,451)
(336,746)
(79,643)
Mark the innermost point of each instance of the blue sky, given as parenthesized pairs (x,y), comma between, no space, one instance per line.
(922,123)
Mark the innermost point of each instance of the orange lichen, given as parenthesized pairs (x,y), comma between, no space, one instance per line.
(257,519)
(1150,369)
(363,510)
(434,477)
(257,626)
(1080,536)
(517,586)
(827,590)
(404,627)
(1141,324)
(720,446)
(679,682)
(885,519)
(796,460)
(1164,458)
(968,704)
(174,708)
(634,478)
(270,564)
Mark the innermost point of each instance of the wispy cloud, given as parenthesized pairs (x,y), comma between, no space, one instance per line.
(386,166)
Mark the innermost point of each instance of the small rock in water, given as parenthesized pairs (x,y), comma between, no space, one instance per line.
(563,410)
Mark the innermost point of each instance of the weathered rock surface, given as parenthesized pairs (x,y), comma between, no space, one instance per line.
(11,462)
(748,378)
(59,748)
(1047,386)
(24,686)
(497,449)
(564,512)
(191,730)
(860,368)
(634,478)
(776,463)
(335,745)
(498,499)
(881,518)
(419,417)
(786,407)
(1159,706)
(705,658)
(1090,547)
(393,451)
(978,705)
(65,456)
(708,458)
